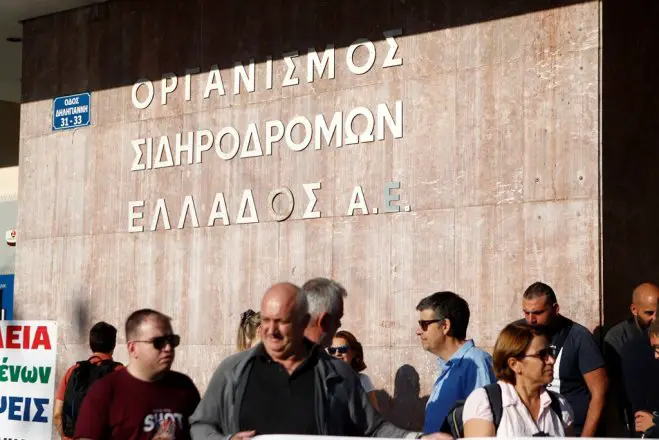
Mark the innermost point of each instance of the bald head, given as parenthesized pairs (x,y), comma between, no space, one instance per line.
(644,304)
(284,316)
(286,296)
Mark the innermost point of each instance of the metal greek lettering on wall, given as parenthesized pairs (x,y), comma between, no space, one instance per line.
(375,124)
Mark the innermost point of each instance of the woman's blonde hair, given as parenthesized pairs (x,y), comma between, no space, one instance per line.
(250,321)
(513,341)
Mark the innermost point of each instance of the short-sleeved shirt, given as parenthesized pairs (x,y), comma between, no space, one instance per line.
(578,355)
(469,368)
(366,383)
(60,393)
(619,334)
(516,420)
(122,407)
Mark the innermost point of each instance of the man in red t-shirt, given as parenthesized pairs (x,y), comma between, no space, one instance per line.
(146,400)
(102,340)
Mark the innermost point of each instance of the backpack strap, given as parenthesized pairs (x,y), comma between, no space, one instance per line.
(556,405)
(83,368)
(493,392)
(561,337)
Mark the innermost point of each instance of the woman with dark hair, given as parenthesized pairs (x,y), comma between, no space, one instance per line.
(347,348)
(524,365)
(248,330)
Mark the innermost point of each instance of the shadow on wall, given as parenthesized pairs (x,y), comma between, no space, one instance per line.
(407,407)
(118,42)
(630,153)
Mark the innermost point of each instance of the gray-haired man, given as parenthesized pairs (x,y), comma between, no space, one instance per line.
(325,298)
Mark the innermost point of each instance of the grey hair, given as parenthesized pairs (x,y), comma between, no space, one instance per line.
(324,295)
(301,303)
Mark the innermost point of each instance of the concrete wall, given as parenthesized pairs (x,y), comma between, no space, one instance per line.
(498,163)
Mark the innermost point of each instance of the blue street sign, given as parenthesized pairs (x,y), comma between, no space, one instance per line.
(7,297)
(72,111)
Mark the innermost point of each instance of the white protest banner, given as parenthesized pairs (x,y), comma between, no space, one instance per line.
(28,352)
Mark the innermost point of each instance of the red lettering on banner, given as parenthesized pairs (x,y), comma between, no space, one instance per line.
(26,337)
(18,337)
(12,336)
(41,338)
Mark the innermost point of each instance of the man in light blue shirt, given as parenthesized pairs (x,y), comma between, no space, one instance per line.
(443,322)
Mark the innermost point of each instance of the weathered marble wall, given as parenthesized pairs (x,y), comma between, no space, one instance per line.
(498,162)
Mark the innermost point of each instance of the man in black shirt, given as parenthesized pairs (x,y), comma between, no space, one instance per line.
(288,385)
(643,310)
(579,371)
(276,401)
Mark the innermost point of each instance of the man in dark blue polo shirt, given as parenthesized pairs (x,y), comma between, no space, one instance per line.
(579,371)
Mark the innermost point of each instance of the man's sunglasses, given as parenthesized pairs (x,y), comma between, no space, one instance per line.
(343,349)
(424,323)
(161,341)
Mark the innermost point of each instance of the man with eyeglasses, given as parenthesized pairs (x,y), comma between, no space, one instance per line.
(579,370)
(145,400)
(443,322)
(288,385)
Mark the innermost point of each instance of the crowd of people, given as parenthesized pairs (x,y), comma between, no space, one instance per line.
(296,371)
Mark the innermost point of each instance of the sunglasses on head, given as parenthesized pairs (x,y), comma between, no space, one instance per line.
(343,349)
(161,342)
(247,315)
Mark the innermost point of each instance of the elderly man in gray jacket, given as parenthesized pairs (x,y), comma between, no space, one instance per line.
(287,385)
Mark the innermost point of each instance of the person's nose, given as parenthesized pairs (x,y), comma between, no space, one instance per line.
(274,329)
(419,332)
(550,360)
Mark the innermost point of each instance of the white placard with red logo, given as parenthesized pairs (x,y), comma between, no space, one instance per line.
(28,352)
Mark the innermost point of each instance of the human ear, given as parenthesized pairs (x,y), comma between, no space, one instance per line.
(515,365)
(446,326)
(325,322)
